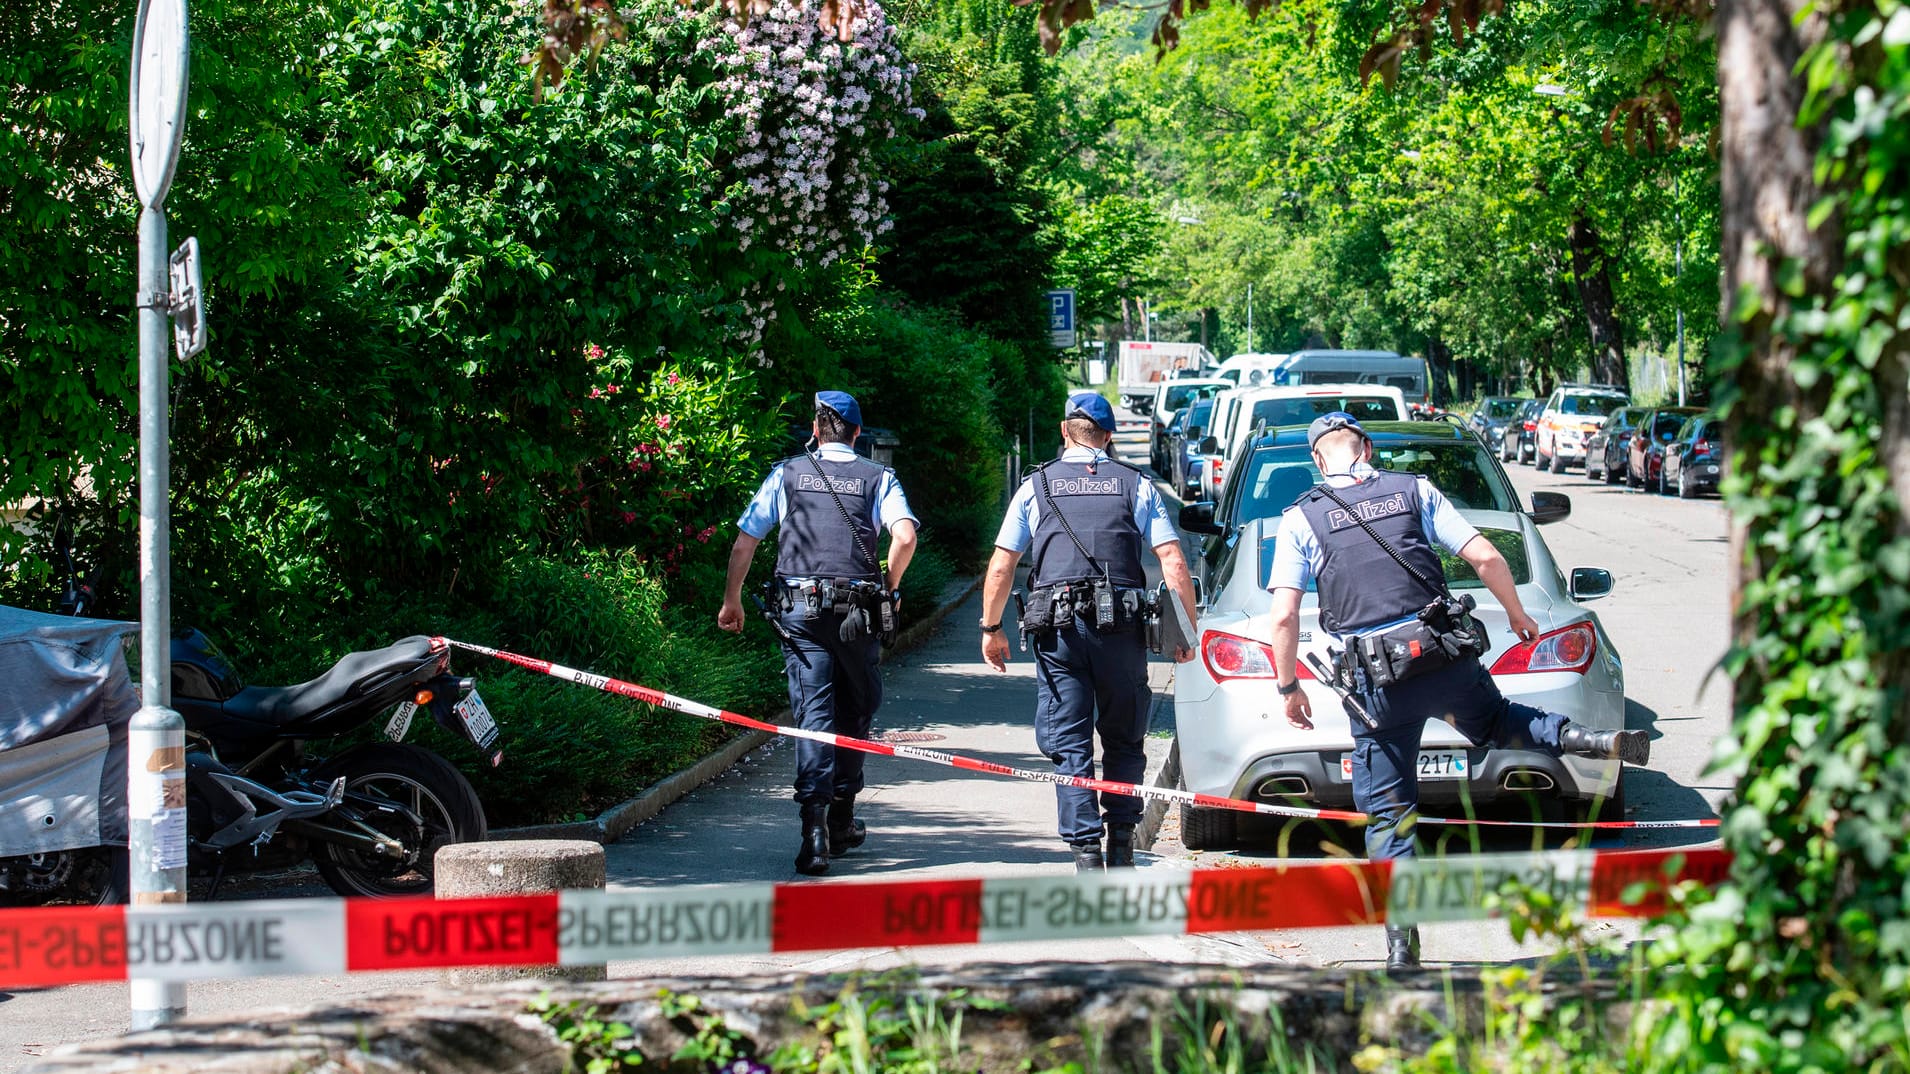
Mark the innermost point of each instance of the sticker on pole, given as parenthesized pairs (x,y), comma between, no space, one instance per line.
(160,48)
(188,300)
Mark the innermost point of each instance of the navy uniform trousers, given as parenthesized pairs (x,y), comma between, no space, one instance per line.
(1386,761)
(1088,683)
(835,686)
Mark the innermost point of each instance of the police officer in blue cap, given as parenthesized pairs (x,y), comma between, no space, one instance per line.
(1087,518)
(1366,537)
(832,602)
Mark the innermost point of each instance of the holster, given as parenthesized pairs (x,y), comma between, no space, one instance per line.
(864,607)
(1443,633)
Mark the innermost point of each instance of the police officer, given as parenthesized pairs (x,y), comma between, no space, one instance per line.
(1087,517)
(828,601)
(1364,591)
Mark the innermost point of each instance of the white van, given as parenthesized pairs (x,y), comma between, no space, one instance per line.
(1238,412)
(1409,375)
(1249,370)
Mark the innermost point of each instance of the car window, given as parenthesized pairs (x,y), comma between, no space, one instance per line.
(1459,573)
(1502,408)
(1713,430)
(1277,412)
(1199,413)
(1461,470)
(1178,395)
(1665,425)
(1590,405)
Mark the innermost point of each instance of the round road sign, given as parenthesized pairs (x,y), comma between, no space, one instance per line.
(160,46)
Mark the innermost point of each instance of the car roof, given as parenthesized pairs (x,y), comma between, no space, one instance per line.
(1380,432)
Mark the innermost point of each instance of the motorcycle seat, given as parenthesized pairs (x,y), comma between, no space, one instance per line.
(352,681)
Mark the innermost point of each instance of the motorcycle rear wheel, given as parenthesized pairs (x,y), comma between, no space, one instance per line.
(94,876)
(421,782)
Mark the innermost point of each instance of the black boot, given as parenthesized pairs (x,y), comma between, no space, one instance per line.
(1402,947)
(1631,747)
(845,831)
(1087,857)
(1120,846)
(813,858)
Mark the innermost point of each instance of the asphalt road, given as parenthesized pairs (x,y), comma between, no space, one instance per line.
(1667,616)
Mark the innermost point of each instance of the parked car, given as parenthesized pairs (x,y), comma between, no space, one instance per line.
(1569,418)
(1645,457)
(1694,460)
(1185,461)
(1490,418)
(1520,439)
(1606,453)
(1272,408)
(1170,397)
(1232,740)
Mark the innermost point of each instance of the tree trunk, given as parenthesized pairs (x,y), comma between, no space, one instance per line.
(1439,359)
(1594,281)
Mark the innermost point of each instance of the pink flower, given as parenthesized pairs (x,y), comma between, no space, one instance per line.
(673,378)
(629,517)
(663,421)
(594,351)
(644,466)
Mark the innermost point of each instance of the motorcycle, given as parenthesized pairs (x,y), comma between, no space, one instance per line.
(63,720)
(371,817)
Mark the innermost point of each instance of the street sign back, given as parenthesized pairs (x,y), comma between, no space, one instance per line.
(188,300)
(160,48)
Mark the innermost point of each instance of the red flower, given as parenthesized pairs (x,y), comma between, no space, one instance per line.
(663,421)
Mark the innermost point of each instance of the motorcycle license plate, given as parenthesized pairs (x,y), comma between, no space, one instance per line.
(1433,764)
(477,720)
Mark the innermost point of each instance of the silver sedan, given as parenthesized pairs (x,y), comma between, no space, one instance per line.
(1234,740)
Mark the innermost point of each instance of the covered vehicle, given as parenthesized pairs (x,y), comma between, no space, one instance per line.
(1233,738)
(63,720)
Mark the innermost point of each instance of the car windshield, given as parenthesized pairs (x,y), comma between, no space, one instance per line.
(1461,470)
(1502,408)
(1459,573)
(1198,414)
(1590,405)
(1301,411)
(1178,394)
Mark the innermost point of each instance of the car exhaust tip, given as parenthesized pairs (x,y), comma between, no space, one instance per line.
(1527,779)
(1283,787)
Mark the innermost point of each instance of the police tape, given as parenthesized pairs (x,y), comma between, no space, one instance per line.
(1105,786)
(292,937)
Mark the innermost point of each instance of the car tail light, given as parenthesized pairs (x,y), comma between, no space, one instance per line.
(1530,425)
(1230,656)
(1701,447)
(1566,649)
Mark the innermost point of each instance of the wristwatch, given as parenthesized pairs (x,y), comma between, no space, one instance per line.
(1289,689)
(987,629)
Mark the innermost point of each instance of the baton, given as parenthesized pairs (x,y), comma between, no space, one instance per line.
(1326,675)
(776,625)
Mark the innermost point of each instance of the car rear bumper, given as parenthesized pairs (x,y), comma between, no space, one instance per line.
(1319,779)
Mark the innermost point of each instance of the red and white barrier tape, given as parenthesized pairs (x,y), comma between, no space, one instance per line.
(69,945)
(885,749)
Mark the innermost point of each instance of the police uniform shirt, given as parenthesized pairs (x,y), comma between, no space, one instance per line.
(1297,558)
(770,504)
(1024,511)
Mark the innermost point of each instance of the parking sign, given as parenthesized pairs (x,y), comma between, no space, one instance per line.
(1061,317)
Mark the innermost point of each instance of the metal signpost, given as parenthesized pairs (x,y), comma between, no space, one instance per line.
(1061,318)
(156,745)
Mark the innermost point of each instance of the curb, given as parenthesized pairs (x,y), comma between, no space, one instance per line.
(613,823)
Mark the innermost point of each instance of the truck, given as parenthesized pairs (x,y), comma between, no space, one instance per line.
(1144,365)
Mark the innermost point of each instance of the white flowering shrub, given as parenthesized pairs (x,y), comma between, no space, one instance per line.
(814,107)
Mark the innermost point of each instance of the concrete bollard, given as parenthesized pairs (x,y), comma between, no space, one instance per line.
(519,867)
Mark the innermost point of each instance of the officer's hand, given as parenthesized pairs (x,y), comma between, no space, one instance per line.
(731,617)
(995,650)
(1522,624)
(1182,656)
(1299,710)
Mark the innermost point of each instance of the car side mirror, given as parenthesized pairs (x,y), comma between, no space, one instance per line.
(1209,445)
(1550,506)
(1193,433)
(1590,583)
(1198,517)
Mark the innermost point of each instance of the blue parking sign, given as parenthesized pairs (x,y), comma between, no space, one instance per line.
(1061,317)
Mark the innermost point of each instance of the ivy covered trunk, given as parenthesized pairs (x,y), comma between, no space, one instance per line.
(1803,962)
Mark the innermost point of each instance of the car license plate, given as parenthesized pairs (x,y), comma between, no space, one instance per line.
(1433,764)
(477,720)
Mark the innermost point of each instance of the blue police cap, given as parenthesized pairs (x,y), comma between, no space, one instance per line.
(1091,406)
(1327,423)
(842,403)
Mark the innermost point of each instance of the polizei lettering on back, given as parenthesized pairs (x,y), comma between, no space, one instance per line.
(1370,511)
(843,486)
(1086,486)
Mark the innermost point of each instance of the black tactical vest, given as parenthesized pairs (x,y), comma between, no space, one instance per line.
(1098,504)
(815,541)
(1360,585)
